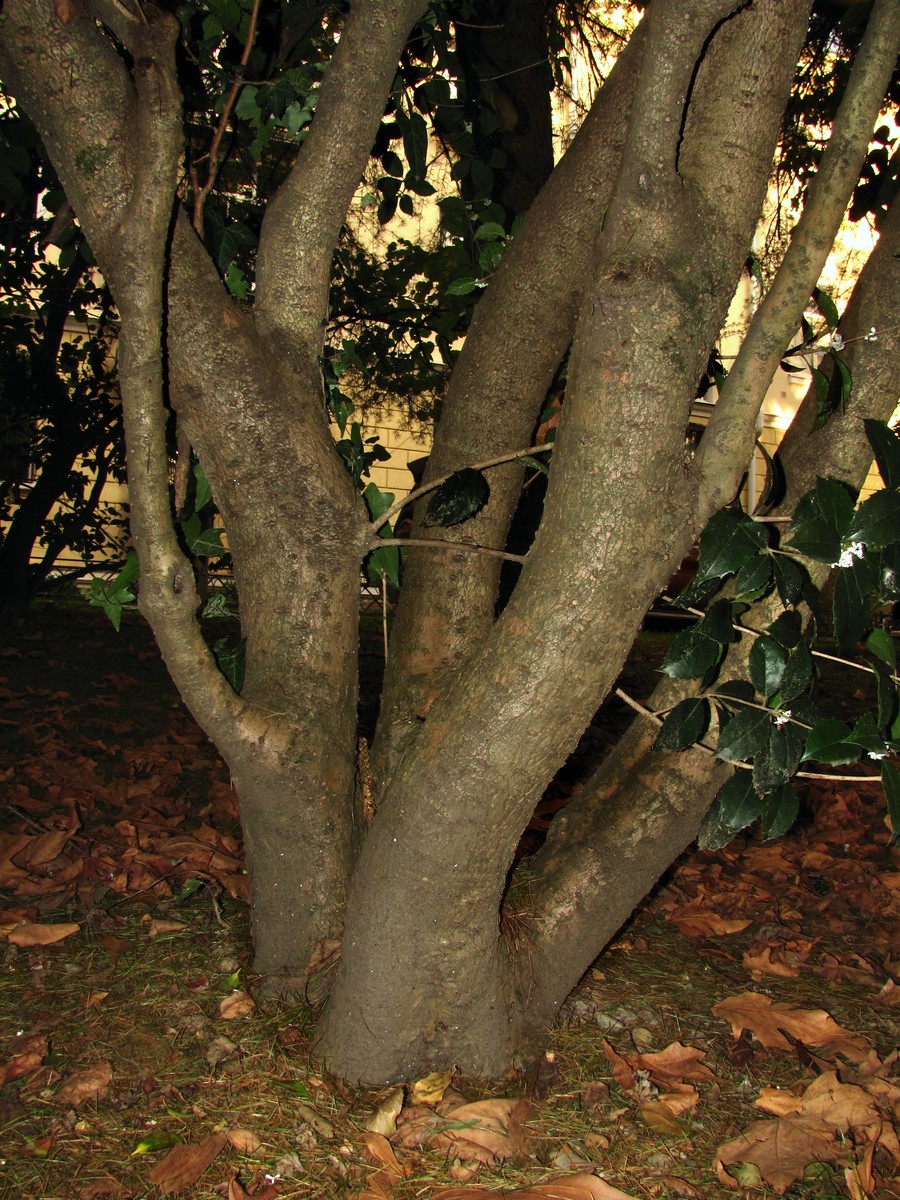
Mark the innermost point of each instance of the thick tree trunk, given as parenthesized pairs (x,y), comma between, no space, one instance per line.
(470,777)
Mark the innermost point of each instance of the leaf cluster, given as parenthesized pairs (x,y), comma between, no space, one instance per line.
(766,718)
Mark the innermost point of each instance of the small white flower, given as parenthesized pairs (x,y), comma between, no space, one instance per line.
(783,717)
(849,553)
(837,342)
(875,755)
(872,335)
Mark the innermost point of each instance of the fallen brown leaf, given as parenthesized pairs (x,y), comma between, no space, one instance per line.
(244,1140)
(29,933)
(766,1021)
(238,1004)
(184,1164)
(487,1131)
(88,1083)
(781,1149)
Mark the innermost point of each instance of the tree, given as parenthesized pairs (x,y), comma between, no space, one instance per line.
(629,254)
(60,399)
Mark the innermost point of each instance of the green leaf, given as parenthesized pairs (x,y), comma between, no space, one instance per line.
(836,504)
(829,742)
(890,781)
(377,502)
(754,577)
(490,231)
(766,662)
(789,579)
(737,689)
(865,734)
(208,544)
(729,540)
(685,724)
(461,287)
(881,644)
(159,1139)
(384,561)
(744,736)
(691,654)
(786,629)
(886,695)
(877,520)
(889,573)
(826,307)
(231,659)
(817,539)
(798,673)
(530,461)
(779,759)
(780,812)
(415,142)
(458,498)
(886,447)
(735,807)
(852,588)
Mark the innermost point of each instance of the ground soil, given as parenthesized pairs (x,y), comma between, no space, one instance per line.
(136,1031)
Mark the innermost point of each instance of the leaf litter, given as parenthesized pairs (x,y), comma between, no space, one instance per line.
(737,1038)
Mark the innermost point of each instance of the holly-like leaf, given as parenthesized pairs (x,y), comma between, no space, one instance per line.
(729,540)
(754,577)
(829,741)
(377,501)
(685,724)
(384,561)
(877,520)
(886,447)
(780,811)
(852,588)
(816,539)
(786,629)
(826,307)
(735,807)
(458,498)
(798,674)
(836,504)
(779,759)
(789,579)
(881,644)
(231,659)
(697,649)
(744,736)
(766,663)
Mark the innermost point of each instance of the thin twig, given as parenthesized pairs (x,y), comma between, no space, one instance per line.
(213,154)
(741,766)
(438,544)
(425,488)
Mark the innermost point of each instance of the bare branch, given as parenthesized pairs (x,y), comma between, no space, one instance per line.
(720,458)
(303,221)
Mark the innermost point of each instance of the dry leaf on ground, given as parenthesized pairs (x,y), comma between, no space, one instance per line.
(781,1149)
(184,1165)
(487,1131)
(29,1054)
(28,933)
(89,1083)
(766,1020)
(238,1004)
(244,1140)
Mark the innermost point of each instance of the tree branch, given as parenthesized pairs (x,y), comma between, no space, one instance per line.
(720,458)
(303,221)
